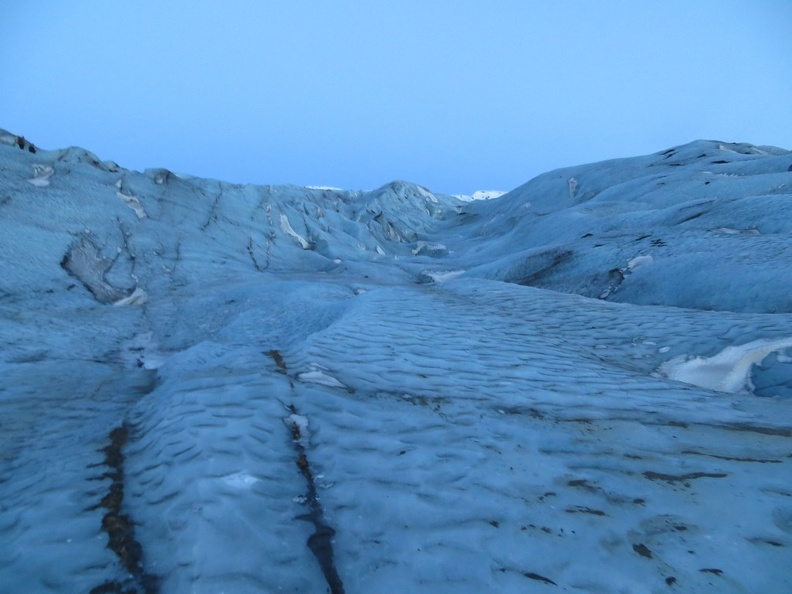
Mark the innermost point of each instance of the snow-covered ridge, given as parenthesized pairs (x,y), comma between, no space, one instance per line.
(330,188)
(480,195)
(214,387)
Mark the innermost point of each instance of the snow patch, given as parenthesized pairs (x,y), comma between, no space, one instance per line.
(728,371)
(639,262)
(240,480)
(321,378)
(41,176)
(480,195)
(442,276)
(573,184)
(133,203)
(730,231)
(137,297)
(429,248)
(287,228)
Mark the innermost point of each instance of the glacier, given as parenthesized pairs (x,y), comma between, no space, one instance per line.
(582,385)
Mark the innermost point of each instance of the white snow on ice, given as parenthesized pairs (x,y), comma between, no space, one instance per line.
(41,176)
(480,195)
(287,228)
(639,262)
(727,371)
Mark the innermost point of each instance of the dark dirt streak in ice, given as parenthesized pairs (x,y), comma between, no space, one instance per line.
(676,478)
(734,459)
(120,527)
(539,578)
(252,253)
(321,541)
(276,356)
(530,575)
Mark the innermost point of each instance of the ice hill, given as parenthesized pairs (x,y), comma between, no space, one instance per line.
(581,386)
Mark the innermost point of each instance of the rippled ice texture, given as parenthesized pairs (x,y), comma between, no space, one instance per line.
(210,388)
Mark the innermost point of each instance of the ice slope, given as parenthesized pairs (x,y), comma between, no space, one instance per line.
(697,211)
(216,388)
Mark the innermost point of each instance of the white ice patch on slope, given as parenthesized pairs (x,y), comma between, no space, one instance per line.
(240,480)
(287,228)
(730,231)
(137,297)
(573,184)
(728,371)
(480,195)
(133,203)
(443,276)
(638,262)
(41,176)
(429,248)
(315,376)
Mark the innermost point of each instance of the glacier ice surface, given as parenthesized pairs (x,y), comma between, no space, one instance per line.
(397,390)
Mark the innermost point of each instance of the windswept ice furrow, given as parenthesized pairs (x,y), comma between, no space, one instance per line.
(53,479)
(214,486)
(498,355)
(597,477)
(452,497)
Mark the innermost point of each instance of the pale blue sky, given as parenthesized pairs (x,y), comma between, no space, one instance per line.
(452,94)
